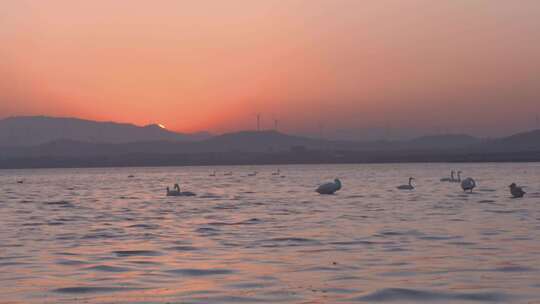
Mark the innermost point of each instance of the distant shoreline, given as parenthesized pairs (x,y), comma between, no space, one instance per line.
(256,158)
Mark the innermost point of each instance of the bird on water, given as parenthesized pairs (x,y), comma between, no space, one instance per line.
(409,186)
(176,191)
(329,188)
(516,191)
(448,179)
(468,184)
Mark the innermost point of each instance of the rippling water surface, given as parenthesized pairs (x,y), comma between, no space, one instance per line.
(99,236)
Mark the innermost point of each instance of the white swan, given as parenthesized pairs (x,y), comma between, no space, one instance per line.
(176,192)
(407,187)
(448,179)
(458,180)
(468,184)
(278,172)
(329,188)
(516,191)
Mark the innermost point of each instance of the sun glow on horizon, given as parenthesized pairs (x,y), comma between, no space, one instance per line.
(354,66)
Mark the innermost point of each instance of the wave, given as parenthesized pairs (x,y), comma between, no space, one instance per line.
(401,294)
(200,272)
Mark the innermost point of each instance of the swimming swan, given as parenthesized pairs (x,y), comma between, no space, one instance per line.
(176,192)
(468,184)
(407,187)
(516,191)
(448,179)
(458,180)
(329,188)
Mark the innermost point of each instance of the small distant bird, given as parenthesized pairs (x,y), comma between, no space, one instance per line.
(516,191)
(213,173)
(278,172)
(468,184)
(329,188)
(252,174)
(20,181)
(408,186)
(131,176)
(227,173)
(448,179)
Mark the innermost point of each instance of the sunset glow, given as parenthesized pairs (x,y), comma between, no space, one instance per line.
(456,66)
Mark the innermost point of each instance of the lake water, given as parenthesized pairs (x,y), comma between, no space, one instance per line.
(98,236)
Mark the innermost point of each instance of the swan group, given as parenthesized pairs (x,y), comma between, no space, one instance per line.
(468,185)
(452,177)
(458,180)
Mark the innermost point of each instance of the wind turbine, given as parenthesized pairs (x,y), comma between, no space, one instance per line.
(321,129)
(258,122)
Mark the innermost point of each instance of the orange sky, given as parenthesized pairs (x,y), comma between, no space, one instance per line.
(455,65)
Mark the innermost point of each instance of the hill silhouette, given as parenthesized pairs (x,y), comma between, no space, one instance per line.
(525,141)
(35,130)
(129,145)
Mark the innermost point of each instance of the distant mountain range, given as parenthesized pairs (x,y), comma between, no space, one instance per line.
(526,141)
(69,142)
(36,130)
